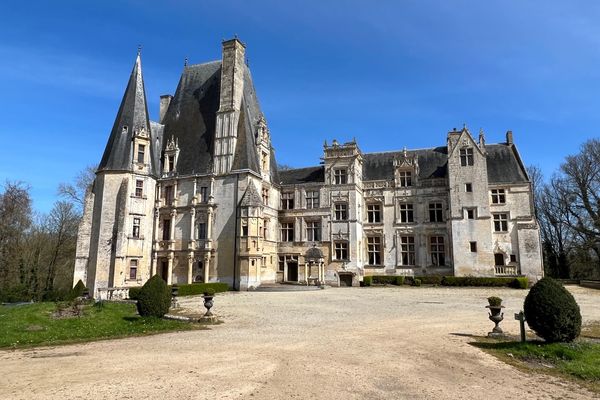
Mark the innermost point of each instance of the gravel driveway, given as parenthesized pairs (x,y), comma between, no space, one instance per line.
(339,343)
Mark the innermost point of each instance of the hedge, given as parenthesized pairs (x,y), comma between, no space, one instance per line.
(367,281)
(200,288)
(388,280)
(519,283)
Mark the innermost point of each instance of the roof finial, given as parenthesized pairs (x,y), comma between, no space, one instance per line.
(139,50)
(185,62)
(235,35)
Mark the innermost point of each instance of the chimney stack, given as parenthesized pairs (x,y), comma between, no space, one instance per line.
(165,100)
(509,137)
(232,74)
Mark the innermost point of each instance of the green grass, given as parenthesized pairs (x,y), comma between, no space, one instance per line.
(579,361)
(34,325)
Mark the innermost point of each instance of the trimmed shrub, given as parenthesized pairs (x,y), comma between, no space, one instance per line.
(494,301)
(367,281)
(552,312)
(77,291)
(134,292)
(201,288)
(154,299)
(431,280)
(384,279)
(399,280)
(521,283)
(416,282)
(484,281)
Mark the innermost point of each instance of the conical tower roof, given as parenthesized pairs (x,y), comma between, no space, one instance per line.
(131,118)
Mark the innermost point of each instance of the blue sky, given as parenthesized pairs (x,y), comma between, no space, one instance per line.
(390,73)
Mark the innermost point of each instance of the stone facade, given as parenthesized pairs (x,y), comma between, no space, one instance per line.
(197,197)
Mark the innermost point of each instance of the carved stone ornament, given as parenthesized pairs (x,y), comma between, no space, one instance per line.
(172,144)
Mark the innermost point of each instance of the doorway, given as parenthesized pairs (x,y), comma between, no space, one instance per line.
(292,271)
(345,279)
(164,270)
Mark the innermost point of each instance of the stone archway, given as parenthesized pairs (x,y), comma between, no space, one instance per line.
(314,269)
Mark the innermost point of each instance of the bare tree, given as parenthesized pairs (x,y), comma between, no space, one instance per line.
(578,187)
(15,220)
(62,225)
(75,192)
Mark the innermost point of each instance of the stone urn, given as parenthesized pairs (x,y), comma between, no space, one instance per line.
(495,315)
(208,303)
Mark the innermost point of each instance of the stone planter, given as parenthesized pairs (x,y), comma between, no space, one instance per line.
(496,316)
(208,303)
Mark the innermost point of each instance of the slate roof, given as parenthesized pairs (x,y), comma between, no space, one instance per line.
(133,114)
(503,163)
(251,197)
(302,175)
(191,117)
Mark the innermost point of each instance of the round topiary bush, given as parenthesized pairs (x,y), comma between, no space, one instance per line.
(552,312)
(154,299)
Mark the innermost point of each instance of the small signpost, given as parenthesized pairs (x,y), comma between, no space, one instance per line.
(520,316)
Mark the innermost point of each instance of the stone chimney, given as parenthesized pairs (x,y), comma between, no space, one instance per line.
(165,100)
(232,75)
(509,137)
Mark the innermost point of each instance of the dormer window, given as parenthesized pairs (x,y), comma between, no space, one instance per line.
(125,129)
(340,176)
(466,156)
(171,162)
(141,153)
(405,178)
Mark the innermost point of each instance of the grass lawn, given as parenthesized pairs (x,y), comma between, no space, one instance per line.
(578,361)
(34,324)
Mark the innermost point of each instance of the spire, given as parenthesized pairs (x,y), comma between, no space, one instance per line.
(132,119)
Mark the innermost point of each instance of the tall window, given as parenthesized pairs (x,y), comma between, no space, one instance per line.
(265,196)
(166,229)
(405,178)
(244,229)
(141,153)
(287,231)
(466,156)
(374,250)
(133,267)
(406,212)
(202,230)
(139,188)
(499,259)
(313,231)
(203,194)
(438,253)
(473,246)
(500,222)
(498,196)
(171,162)
(471,213)
(287,201)
(168,195)
(374,213)
(136,227)
(436,213)
(340,211)
(407,250)
(340,250)
(312,199)
(468,187)
(340,176)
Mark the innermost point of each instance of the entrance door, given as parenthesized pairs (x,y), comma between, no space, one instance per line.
(292,271)
(164,270)
(345,279)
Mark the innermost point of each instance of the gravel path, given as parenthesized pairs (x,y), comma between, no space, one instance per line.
(339,343)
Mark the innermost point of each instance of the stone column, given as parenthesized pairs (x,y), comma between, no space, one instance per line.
(306,272)
(172,229)
(192,225)
(206,267)
(153,267)
(209,219)
(170,269)
(190,278)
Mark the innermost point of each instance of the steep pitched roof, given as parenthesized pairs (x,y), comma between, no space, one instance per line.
(191,117)
(302,175)
(251,197)
(432,163)
(503,165)
(132,114)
